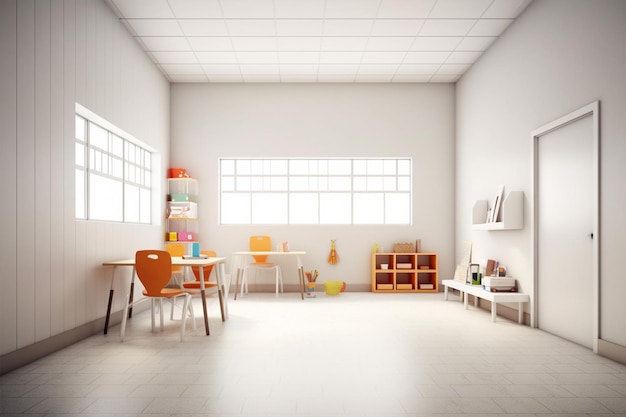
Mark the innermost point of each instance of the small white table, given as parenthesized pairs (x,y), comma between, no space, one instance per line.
(176,261)
(495,297)
(247,254)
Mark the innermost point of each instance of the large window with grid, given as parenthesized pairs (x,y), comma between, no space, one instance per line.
(113,172)
(315,191)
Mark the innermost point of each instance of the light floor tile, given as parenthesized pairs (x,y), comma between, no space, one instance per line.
(354,355)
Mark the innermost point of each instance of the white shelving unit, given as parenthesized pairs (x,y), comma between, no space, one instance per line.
(511,213)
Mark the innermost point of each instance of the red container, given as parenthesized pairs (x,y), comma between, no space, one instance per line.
(177,173)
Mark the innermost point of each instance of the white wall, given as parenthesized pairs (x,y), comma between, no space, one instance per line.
(298,120)
(557,57)
(54,54)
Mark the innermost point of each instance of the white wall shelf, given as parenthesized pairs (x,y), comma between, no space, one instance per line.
(511,214)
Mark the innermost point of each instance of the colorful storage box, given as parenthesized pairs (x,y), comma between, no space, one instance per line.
(498,283)
(186,236)
(179,197)
(177,173)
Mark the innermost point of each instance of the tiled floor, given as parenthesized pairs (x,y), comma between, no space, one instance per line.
(356,354)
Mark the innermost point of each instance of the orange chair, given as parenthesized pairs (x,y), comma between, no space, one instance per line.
(194,286)
(262,244)
(154,270)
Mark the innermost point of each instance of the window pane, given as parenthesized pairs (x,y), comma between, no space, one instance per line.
(335,208)
(369,208)
(339,183)
(359,184)
(131,204)
(298,167)
(117,146)
(80,194)
(98,137)
(279,167)
(404,167)
(235,208)
(303,208)
(228,184)
(269,208)
(389,167)
(398,208)
(278,184)
(360,167)
(227,167)
(339,167)
(106,203)
(117,168)
(375,167)
(389,183)
(298,184)
(80,128)
(79,153)
(404,184)
(243,167)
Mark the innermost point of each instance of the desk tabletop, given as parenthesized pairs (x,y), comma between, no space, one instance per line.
(176,260)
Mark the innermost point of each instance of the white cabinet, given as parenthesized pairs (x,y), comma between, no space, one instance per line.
(511,213)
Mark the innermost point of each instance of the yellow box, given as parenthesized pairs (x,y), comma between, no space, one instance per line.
(384,286)
(171,236)
(404,286)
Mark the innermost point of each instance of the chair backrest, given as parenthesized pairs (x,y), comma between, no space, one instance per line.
(154,270)
(176,249)
(260,244)
(207,269)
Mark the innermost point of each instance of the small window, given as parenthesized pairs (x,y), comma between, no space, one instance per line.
(113,172)
(315,191)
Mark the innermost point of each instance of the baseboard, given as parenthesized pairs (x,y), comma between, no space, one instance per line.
(612,351)
(28,354)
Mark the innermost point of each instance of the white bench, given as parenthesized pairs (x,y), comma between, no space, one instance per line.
(495,297)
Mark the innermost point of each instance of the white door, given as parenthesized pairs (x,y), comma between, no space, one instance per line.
(564,225)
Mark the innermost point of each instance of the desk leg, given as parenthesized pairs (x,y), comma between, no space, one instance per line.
(220,294)
(130,299)
(445,292)
(106,321)
(206,319)
(520,313)
(301,276)
(493,311)
(465,299)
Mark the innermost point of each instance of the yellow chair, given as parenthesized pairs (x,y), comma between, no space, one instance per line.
(154,270)
(262,244)
(178,272)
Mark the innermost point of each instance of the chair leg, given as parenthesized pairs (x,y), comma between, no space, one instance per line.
(161,311)
(184,318)
(152,301)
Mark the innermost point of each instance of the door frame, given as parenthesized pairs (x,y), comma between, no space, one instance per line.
(593,110)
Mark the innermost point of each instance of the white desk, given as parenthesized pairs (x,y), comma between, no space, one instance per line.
(247,254)
(495,297)
(176,261)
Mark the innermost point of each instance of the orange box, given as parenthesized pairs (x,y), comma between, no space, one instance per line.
(177,173)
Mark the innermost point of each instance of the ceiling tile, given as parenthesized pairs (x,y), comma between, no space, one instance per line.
(210,43)
(173,57)
(231,78)
(298,69)
(181,69)
(298,78)
(299,43)
(216,57)
(299,9)
(476,43)
(396,27)
(436,43)
(490,27)
(155,27)
(166,43)
(143,9)
(347,27)
(391,43)
(431,57)
(463,57)
(335,78)
(255,78)
(338,69)
(417,69)
(257,57)
(254,43)
(373,78)
(398,78)
(300,27)
(259,69)
(330,57)
(452,69)
(298,57)
(506,9)
(204,27)
(344,43)
(351,8)
(405,8)
(381,69)
(220,69)
(459,8)
(248,9)
(196,9)
(382,57)
(446,27)
(444,78)
(251,27)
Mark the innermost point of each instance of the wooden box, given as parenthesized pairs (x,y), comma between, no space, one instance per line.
(404,247)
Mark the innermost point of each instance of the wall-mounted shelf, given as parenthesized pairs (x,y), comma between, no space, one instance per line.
(511,213)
